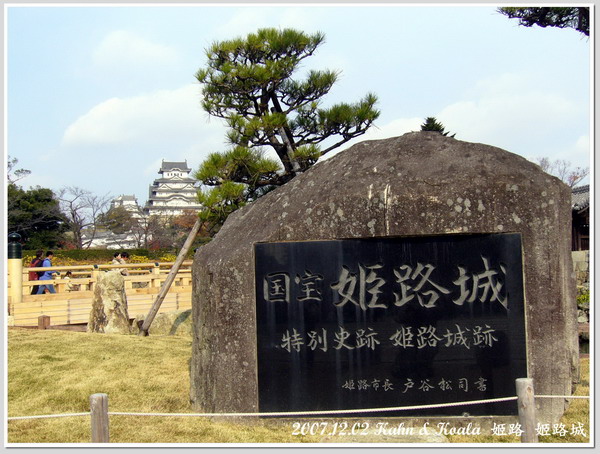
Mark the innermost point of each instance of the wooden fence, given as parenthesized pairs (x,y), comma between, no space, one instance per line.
(72,305)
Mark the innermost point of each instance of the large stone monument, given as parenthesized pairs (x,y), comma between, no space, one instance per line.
(416,269)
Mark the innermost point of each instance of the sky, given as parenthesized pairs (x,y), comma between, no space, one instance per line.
(96,96)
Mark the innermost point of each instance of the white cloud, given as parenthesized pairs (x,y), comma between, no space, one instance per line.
(394,128)
(124,48)
(162,115)
(509,110)
(509,117)
(136,134)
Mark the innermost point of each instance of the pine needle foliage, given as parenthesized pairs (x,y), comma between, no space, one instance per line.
(575,17)
(431,124)
(249,83)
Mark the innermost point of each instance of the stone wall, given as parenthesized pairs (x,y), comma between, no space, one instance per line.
(581,266)
(417,184)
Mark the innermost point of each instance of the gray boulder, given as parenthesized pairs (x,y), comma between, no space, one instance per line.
(174,323)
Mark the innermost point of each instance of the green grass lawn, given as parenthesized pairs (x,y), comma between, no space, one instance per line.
(55,372)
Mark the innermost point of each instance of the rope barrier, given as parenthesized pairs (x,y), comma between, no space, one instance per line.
(296,413)
(561,397)
(301,413)
(326,412)
(66,415)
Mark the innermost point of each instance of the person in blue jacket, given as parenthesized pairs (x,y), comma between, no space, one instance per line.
(47,275)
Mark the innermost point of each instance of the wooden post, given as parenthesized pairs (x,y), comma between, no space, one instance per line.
(15,268)
(43,322)
(527,414)
(170,277)
(128,284)
(99,413)
(155,276)
(25,280)
(95,275)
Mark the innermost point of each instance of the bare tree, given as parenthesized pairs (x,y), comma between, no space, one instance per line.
(562,169)
(84,211)
(12,174)
(141,230)
(161,233)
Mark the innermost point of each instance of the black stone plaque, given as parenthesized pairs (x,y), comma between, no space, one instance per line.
(379,323)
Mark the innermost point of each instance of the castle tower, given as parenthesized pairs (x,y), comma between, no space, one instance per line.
(172,193)
(129,203)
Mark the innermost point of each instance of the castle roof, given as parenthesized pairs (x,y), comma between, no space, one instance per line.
(126,197)
(580,197)
(174,165)
(179,180)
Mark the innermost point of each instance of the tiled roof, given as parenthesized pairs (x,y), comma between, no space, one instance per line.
(580,197)
(174,180)
(166,166)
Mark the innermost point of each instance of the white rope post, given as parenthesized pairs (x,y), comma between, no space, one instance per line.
(526,404)
(99,411)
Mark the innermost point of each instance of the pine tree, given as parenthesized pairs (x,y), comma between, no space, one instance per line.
(561,17)
(249,82)
(431,124)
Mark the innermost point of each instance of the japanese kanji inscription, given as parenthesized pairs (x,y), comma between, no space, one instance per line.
(390,322)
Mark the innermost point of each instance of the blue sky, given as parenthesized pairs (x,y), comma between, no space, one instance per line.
(98,95)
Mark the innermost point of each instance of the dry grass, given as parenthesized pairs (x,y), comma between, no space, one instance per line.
(55,372)
(577,413)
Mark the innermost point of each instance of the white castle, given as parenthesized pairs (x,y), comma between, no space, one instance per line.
(172,193)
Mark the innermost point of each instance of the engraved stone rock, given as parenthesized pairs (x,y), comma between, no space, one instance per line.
(416,185)
(109,308)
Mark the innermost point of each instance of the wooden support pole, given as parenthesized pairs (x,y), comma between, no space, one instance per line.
(99,412)
(527,413)
(170,277)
